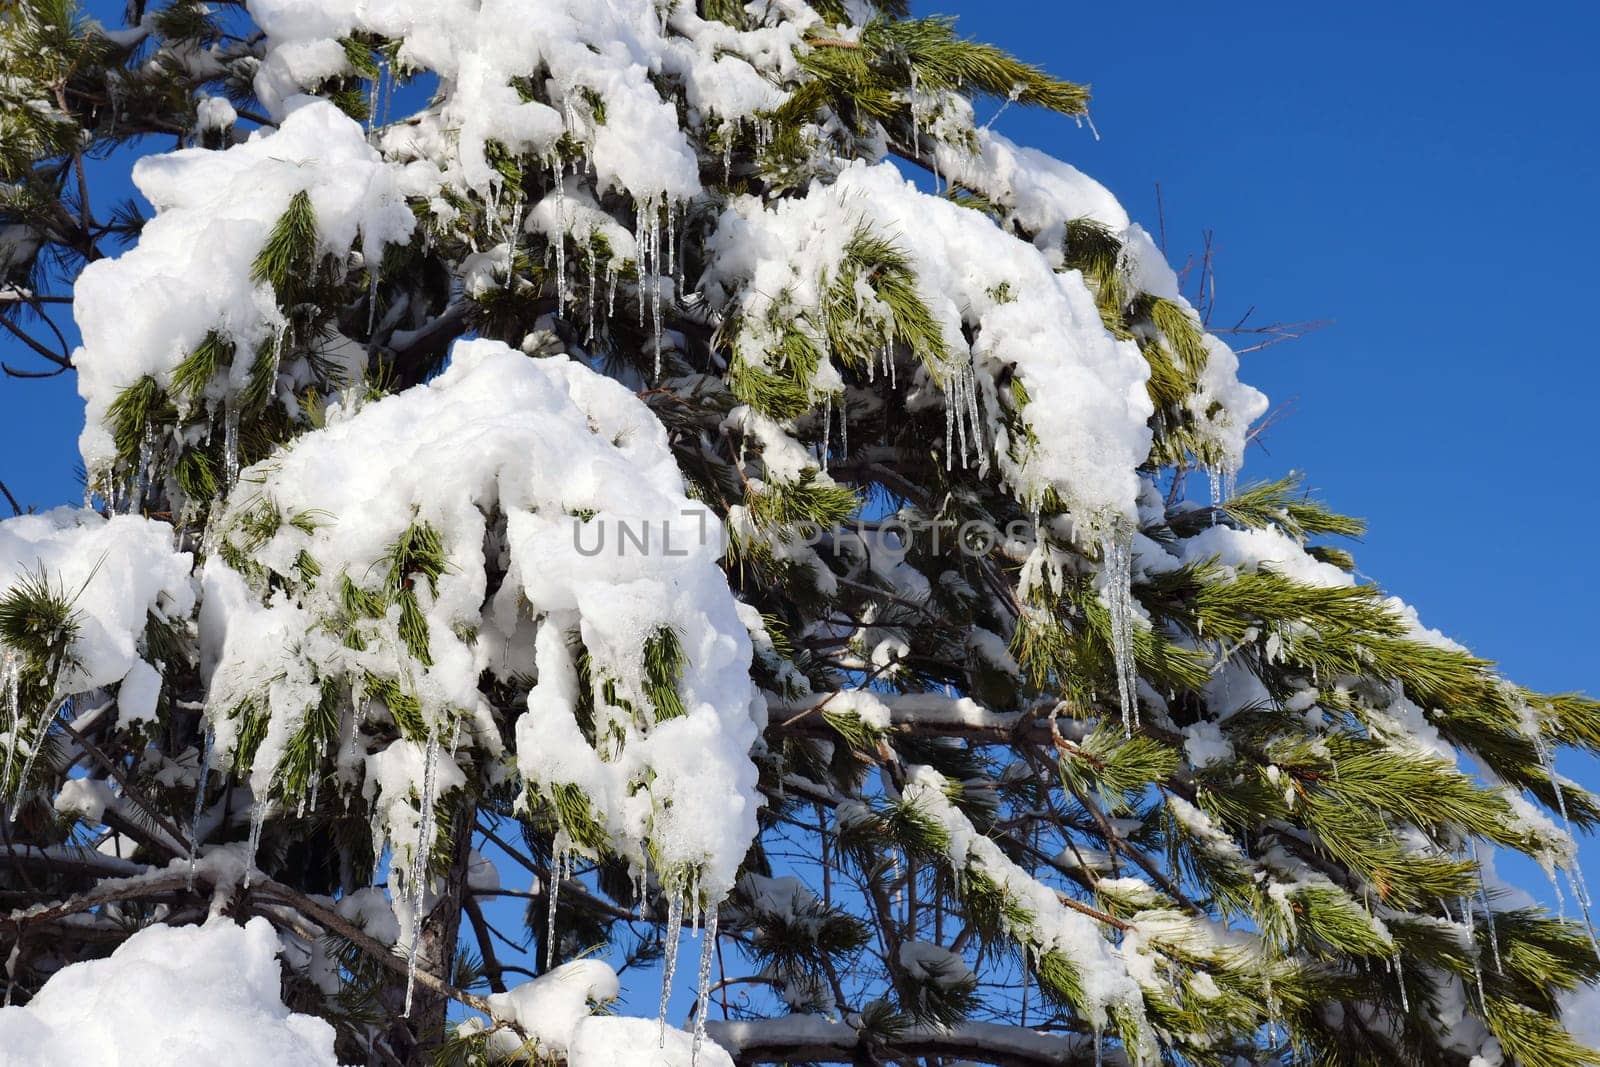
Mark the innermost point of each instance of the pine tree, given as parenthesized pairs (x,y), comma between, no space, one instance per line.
(560,435)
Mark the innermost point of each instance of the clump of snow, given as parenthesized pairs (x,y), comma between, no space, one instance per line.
(564,479)
(601,1041)
(116,573)
(215,113)
(191,273)
(934,963)
(548,1009)
(1042,194)
(1088,409)
(581,52)
(186,994)
(86,798)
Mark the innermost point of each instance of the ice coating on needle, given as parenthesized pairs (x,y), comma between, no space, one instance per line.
(170,994)
(191,273)
(1053,927)
(559,482)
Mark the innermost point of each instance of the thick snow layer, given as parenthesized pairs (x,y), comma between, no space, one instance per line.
(601,1041)
(1089,406)
(187,994)
(599,542)
(549,1008)
(116,573)
(583,50)
(1042,195)
(190,274)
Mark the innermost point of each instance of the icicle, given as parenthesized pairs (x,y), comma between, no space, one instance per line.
(611,291)
(1118,544)
(316,775)
(421,855)
(372,297)
(655,281)
(1400,979)
(230,445)
(141,489)
(258,821)
(1488,915)
(1099,1046)
(642,238)
(957,400)
(388,95)
(379,841)
(949,434)
(708,952)
(1575,878)
(975,423)
(594,282)
(199,800)
(559,238)
(672,265)
(827,425)
(669,963)
(372,103)
(558,873)
(844,426)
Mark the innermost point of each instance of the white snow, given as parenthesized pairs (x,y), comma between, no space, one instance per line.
(188,994)
(142,312)
(541,441)
(1088,407)
(549,1008)
(116,573)
(86,798)
(601,1041)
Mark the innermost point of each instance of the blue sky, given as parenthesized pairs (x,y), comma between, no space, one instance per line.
(1424,177)
(1424,180)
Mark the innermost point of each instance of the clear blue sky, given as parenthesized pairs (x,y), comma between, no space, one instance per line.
(1424,175)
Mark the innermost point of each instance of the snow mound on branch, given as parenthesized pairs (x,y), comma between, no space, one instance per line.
(116,573)
(186,994)
(562,481)
(1102,970)
(622,1042)
(1043,194)
(550,1007)
(1089,409)
(595,60)
(191,273)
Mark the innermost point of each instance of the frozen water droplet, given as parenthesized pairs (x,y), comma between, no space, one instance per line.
(669,965)
(558,873)
(708,951)
(1118,592)
(199,799)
